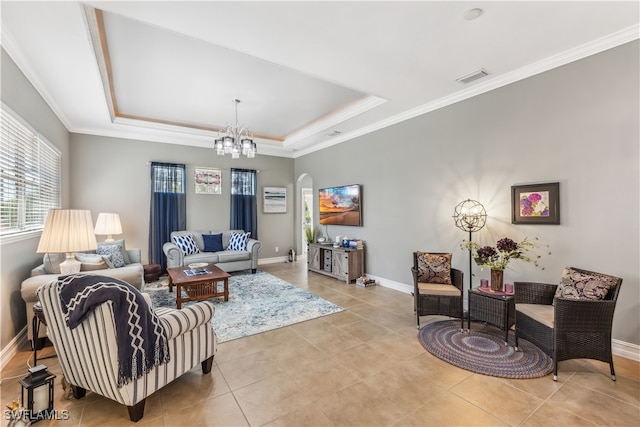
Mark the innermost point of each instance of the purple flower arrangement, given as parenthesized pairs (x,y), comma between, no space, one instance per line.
(497,257)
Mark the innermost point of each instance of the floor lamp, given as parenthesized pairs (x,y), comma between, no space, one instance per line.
(470,216)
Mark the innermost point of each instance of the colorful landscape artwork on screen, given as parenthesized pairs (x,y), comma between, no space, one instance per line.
(340,205)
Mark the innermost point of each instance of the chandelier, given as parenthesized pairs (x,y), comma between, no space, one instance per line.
(235,139)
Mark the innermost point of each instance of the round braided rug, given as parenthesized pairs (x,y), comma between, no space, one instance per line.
(482,350)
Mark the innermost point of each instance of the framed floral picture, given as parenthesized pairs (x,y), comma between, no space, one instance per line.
(208,181)
(535,203)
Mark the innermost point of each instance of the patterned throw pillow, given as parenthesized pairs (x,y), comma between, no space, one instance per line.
(121,243)
(238,241)
(434,268)
(114,252)
(186,243)
(577,285)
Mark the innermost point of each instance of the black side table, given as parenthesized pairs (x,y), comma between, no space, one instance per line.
(495,309)
(38,319)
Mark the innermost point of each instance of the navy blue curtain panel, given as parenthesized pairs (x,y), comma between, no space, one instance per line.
(244,205)
(168,207)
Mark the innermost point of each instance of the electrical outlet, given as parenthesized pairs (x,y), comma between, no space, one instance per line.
(277,249)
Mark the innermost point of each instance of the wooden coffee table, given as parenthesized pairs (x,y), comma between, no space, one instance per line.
(199,286)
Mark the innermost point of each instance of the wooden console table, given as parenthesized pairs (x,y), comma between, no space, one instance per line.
(341,263)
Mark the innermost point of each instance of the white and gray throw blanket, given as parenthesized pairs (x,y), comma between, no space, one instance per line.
(141,339)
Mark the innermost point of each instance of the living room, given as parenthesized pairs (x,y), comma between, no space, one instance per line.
(576,124)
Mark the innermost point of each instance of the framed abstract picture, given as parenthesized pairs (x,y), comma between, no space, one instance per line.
(274,200)
(208,181)
(535,203)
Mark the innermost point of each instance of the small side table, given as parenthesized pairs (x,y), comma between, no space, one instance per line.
(496,309)
(38,319)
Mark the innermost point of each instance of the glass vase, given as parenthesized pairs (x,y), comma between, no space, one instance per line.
(497,280)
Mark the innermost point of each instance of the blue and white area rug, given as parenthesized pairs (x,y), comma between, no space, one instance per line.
(257,303)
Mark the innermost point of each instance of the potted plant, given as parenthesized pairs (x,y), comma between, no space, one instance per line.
(497,257)
(311,233)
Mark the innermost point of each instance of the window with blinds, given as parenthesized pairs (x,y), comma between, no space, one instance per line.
(30,175)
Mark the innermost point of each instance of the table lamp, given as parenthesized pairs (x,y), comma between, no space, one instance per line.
(108,224)
(68,231)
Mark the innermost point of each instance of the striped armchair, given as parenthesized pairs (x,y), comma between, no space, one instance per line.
(88,354)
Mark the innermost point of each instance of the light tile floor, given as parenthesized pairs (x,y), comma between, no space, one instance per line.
(361,367)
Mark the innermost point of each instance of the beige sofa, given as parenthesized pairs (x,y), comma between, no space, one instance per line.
(132,273)
(227,260)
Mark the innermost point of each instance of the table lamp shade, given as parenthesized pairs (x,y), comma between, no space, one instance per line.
(68,231)
(108,224)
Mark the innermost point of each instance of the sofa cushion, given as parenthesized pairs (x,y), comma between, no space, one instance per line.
(186,244)
(229,256)
(212,242)
(210,257)
(115,253)
(121,243)
(238,241)
(577,285)
(92,262)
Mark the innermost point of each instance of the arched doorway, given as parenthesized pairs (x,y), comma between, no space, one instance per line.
(305,210)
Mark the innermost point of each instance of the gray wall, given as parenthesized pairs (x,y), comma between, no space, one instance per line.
(577,124)
(18,258)
(113,175)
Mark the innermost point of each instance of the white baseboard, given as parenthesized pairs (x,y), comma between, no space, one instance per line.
(11,349)
(276,260)
(625,349)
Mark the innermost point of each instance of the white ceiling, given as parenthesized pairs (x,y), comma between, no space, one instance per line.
(168,71)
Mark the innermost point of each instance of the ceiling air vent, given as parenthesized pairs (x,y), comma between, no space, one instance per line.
(333,133)
(473,76)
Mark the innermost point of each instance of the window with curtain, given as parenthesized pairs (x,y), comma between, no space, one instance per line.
(244,205)
(30,176)
(168,207)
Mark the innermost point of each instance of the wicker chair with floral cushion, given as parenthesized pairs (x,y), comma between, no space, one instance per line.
(571,320)
(437,288)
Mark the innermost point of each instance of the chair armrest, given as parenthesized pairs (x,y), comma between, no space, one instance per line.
(583,315)
(175,257)
(254,247)
(534,293)
(177,322)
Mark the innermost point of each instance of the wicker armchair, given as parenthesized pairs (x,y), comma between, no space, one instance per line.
(566,328)
(435,298)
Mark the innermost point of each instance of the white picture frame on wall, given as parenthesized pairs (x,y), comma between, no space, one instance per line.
(274,200)
(207,180)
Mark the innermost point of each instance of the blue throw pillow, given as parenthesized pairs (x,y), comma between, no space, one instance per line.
(186,244)
(238,241)
(212,242)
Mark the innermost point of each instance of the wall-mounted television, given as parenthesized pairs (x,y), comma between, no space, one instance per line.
(341,205)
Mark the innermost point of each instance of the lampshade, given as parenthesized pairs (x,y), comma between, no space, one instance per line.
(68,231)
(109,224)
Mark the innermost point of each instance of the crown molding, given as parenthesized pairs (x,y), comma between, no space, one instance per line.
(588,49)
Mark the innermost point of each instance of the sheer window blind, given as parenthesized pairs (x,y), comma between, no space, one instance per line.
(30,169)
